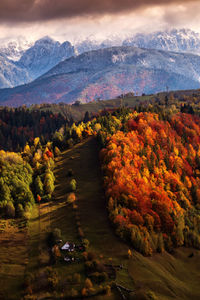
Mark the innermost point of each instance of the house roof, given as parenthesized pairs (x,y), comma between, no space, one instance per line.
(66,246)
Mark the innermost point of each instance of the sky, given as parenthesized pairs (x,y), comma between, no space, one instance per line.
(75,20)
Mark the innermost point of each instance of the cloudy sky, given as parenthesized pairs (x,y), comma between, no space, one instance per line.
(77,19)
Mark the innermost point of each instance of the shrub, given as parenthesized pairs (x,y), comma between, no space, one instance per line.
(86,243)
(72,185)
(71,198)
(129,253)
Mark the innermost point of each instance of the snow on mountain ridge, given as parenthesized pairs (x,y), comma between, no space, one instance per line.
(107,73)
(22,62)
(36,58)
(44,55)
(13,49)
(179,40)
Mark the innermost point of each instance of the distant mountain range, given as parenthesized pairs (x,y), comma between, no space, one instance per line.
(13,49)
(44,55)
(22,61)
(107,73)
(178,40)
(182,40)
(91,69)
(22,65)
(91,43)
(11,74)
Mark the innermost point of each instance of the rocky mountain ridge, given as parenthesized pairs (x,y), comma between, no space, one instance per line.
(107,73)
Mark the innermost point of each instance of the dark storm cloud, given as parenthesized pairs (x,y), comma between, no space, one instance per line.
(38,10)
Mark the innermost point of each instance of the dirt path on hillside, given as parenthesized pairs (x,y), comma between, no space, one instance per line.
(83,160)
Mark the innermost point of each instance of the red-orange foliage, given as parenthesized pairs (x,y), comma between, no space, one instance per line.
(49,153)
(151,171)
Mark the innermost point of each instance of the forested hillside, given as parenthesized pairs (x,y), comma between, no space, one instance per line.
(127,170)
(26,178)
(21,126)
(152,170)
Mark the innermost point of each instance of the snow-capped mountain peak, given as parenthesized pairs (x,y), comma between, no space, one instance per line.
(179,40)
(45,41)
(13,49)
(22,61)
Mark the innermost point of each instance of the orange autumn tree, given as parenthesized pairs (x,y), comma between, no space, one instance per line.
(152,181)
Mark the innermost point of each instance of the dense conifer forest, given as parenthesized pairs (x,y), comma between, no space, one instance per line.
(20,125)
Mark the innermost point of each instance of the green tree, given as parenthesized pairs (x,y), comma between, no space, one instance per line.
(4,191)
(10,210)
(39,189)
(49,182)
(20,210)
(72,185)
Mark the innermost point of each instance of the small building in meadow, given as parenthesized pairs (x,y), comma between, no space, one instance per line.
(68,247)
